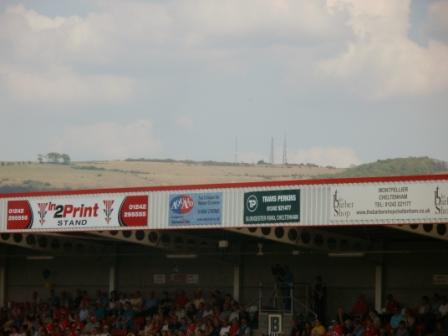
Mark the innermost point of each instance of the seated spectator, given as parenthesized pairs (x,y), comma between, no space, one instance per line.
(392,305)
(348,327)
(151,304)
(376,320)
(234,328)
(318,328)
(370,328)
(198,299)
(425,306)
(443,308)
(83,312)
(335,329)
(409,319)
(225,329)
(396,319)
(244,328)
(360,308)
(341,315)
(358,328)
(181,298)
(401,330)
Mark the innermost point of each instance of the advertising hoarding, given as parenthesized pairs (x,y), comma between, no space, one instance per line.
(195,209)
(389,202)
(106,211)
(272,206)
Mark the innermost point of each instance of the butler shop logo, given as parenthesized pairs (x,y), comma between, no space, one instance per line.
(440,202)
(341,208)
(69,214)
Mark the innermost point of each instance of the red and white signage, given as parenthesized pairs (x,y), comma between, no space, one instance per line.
(348,201)
(106,211)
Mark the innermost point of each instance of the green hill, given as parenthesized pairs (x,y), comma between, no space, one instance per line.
(28,176)
(399,166)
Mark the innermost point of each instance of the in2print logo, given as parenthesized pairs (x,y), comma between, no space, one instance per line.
(76,212)
(42,212)
(108,210)
(70,215)
(182,204)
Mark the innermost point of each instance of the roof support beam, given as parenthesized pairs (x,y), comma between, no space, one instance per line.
(52,243)
(437,231)
(307,238)
(167,240)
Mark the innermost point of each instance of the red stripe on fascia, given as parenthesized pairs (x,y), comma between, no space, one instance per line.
(218,227)
(326,181)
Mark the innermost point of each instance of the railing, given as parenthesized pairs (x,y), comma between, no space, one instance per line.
(290,298)
(306,308)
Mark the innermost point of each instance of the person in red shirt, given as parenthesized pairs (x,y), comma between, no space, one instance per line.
(360,308)
(191,328)
(335,329)
(370,329)
(234,328)
(392,305)
(181,299)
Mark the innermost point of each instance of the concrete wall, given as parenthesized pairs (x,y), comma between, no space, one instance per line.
(408,277)
(137,273)
(69,273)
(345,278)
(133,272)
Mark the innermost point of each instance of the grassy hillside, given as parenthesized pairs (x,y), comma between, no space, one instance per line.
(88,175)
(400,166)
(27,176)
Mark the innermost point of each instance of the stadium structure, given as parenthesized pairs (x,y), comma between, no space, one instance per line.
(374,236)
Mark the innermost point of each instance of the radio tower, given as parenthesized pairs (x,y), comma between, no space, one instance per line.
(271,156)
(285,153)
(236,150)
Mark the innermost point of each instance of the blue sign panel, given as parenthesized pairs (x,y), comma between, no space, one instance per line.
(195,209)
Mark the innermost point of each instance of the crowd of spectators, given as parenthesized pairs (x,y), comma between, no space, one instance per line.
(214,314)
(429,317)
(119,314)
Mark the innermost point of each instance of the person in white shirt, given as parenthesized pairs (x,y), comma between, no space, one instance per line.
(443,308)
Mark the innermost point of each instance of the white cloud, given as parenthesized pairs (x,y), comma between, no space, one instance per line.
(340,157)
(109,140)
(242,18)
(185,122)
(438,17)
(382,60)
(60,85)
(117,27)
(82,59)
(34,38)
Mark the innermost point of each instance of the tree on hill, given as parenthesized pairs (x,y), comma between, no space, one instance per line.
(54,157)
(65,159)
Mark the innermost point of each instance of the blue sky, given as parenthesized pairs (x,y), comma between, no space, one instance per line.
(346,81)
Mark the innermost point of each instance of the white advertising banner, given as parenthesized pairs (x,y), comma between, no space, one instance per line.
(389,202)
(104,211)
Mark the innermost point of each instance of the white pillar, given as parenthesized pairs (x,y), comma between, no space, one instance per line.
(2,286)
(236,282)
(378,287)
